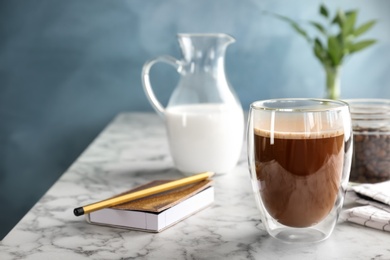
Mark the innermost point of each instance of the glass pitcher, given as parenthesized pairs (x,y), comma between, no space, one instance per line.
(204,117)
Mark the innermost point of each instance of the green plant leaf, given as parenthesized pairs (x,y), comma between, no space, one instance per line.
(319,27)
(339,18)
(320,52)
(360,45)
(349,22)
(364,28)
(295,26)
(324,11)
(335,50)
(331,49)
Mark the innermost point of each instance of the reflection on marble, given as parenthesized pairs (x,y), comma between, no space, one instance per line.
(131,151)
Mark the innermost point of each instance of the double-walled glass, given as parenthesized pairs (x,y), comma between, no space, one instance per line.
(299,154)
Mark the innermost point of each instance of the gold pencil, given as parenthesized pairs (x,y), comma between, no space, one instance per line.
(142,193)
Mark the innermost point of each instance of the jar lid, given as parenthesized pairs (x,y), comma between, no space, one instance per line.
(370,114)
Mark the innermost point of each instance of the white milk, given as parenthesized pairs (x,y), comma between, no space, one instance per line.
(205,137)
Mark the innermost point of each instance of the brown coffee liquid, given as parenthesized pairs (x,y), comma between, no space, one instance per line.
(299,176)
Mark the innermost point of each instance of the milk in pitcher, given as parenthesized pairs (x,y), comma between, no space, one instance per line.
(205,137)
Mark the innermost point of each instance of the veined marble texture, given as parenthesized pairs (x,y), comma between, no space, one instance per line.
(133,150)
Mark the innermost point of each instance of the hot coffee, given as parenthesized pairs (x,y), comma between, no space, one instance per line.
(299,157)
(299,175)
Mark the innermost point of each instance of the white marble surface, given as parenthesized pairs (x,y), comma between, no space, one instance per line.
(131,151)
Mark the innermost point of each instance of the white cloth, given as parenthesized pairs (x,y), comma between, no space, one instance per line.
(376,210)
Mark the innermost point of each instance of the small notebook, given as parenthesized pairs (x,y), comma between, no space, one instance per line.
(157,212)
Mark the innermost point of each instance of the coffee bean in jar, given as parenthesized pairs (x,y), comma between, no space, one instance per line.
(371,140)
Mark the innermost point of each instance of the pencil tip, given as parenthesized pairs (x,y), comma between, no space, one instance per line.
(78,211)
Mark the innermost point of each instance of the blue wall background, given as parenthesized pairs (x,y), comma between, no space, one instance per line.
(68,67)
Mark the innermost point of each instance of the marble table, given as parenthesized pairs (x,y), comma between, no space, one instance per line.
(133,150)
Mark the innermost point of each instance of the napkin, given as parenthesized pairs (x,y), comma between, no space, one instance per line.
(375,212)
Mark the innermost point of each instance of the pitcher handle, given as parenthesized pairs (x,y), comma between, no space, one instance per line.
(146,80)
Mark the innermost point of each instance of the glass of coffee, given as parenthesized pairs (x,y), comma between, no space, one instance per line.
(299,154)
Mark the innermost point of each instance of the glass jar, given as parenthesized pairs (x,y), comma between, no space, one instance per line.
(371,130)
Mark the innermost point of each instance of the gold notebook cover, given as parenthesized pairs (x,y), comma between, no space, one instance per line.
(162,201)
